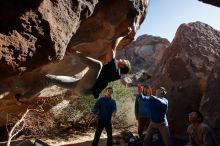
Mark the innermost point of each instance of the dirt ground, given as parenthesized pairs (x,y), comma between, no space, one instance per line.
(70,137)
(83,139)
(86,138)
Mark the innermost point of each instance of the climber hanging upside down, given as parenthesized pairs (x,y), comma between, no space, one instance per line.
(93,82)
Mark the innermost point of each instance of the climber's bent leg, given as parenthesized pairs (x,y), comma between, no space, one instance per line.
(85,85)
(48,80)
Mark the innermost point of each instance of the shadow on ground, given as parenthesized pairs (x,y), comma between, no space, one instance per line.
(103,142)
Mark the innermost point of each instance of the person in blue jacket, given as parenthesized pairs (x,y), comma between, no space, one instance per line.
(142,111)
(105,108)
(158,120)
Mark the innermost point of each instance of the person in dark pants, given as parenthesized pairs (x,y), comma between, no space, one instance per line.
(105,107)
(93,82)
(158,119)
(142,110)
(95,79)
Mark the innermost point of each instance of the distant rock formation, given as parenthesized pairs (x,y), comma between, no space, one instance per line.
(184,70)
(210,102)
(144,53)
(36,37)
(212,2)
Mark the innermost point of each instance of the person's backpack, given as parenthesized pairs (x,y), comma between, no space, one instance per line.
(129,138)
(126,135)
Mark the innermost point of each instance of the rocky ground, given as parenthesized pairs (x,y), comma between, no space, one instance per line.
(70,137)
(85,139)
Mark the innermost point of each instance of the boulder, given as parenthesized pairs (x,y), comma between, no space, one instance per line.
(209,105)
(212,2)
(144,54)
(184,70)
(36,38)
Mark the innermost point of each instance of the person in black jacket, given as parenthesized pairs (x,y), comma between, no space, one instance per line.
(110,72)
(93,82)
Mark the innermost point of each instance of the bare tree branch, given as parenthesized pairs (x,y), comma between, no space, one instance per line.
(13,131)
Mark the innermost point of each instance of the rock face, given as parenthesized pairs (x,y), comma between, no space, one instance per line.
(212,2)
(36,38)
(144,54)
(209,105)
(184,70)
(33,33)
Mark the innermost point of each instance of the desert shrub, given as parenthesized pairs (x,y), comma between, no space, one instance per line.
(125,105)
(34,123)
(78,112)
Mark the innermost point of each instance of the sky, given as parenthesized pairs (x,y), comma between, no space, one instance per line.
(165,16)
